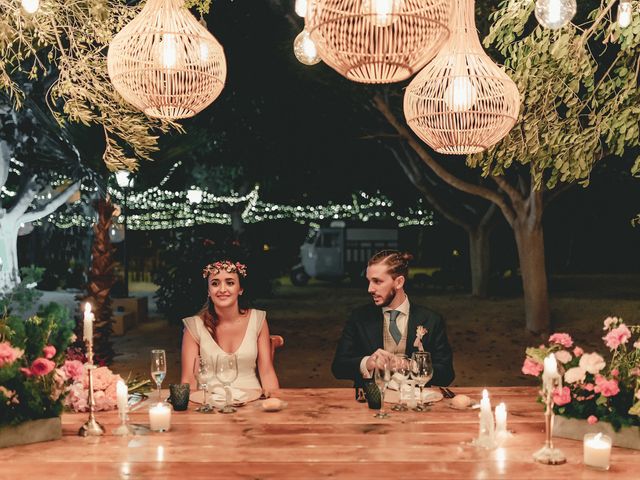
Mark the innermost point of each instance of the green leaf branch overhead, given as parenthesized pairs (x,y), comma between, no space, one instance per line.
(580,92)
(63,45)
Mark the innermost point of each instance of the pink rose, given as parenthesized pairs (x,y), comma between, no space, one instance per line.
(102,378)
(531,367)
(563,339)
(42,366)
(592,419)
(8,354)
(588,387)
(561,396)
(74,369)
(49,351)
(577,352)
(617,336)
(615,372)
(609,321)
(608,388)
(563,356)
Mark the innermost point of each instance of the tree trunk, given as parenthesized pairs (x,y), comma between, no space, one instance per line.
(480,260)
(530,242)
(9,270)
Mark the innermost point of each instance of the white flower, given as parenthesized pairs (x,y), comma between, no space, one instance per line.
(592,363)
(575,374)
(563,356)
(610,321)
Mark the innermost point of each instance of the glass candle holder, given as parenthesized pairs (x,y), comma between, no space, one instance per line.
(160,417)
(597,451)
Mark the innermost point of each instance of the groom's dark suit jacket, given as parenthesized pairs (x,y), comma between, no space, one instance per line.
(362,335)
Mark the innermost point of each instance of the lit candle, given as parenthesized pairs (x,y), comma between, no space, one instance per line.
(160,418)
(485,403)
(88,323)
(501,419)
(597,450)
(487,426)
(122,393)
(550,372)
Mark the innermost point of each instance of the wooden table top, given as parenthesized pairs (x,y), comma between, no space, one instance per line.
(322,433)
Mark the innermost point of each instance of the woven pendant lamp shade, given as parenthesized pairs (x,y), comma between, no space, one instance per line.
(377,41)
(165,63)
(461,102)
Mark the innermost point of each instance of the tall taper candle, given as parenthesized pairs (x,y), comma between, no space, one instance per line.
(122,393)
(88,323)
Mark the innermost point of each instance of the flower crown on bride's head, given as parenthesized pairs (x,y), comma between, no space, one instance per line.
(225,265)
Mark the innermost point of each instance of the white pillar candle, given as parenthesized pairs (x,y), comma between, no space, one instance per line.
(160,418)
(597,450)
(487,427)
(122,393)
(501,419)
(89,317)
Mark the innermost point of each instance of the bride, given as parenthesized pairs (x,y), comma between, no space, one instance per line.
(222,327)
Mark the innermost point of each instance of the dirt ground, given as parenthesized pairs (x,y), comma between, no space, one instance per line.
(488,336)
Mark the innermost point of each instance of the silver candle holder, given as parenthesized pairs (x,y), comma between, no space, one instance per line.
(91,427)
(549,455)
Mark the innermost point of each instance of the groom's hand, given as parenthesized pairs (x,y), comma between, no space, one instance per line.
(378,358)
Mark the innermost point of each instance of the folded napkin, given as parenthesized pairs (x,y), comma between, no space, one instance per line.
(219,394)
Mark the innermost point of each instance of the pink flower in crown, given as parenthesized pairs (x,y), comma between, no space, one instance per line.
(563,339)
(49,351)
(592,419)
(577,352)
(610,321)
(74,369)
(561,396)
(9,354)
(618,336)
(531,367)
(42,366)
(608,388)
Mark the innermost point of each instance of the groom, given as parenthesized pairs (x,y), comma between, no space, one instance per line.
(378,331)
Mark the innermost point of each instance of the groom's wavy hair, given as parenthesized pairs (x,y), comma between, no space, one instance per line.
(208,311)
(397,262)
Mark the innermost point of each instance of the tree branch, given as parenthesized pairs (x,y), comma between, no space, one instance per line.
(25,196)
(5,162)
(514,195)
(51,206)
(445,175)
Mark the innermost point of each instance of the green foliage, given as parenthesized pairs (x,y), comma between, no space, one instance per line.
(579,93)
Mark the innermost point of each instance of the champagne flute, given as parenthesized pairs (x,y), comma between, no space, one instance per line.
(422,372)
(203,372)
(227,372)
(400,368)
(158,368)
(382,377)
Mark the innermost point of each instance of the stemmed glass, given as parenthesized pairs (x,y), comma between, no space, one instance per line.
(382,377)
(422,372)
(400,368)
(227,372)
(158,368)
(203,372)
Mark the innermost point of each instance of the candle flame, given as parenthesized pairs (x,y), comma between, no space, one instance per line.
(87,307)
(485,393)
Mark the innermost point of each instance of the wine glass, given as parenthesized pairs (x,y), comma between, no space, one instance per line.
(422,372)
(227,372)
(400,368)
(382,377)
(203,372)
(158,368)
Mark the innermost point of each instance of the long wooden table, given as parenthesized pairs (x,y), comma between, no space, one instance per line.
(322,433)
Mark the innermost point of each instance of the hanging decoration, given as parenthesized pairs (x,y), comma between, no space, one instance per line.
(555,14)
(377,41)
(461,102)
(305,49)
(165,63)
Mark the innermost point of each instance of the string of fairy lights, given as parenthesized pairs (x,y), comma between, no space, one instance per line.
(159,208)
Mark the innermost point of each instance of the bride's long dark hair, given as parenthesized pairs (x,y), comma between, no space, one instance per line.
(208,311)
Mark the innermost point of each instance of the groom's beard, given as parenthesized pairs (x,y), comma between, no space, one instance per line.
(389,298)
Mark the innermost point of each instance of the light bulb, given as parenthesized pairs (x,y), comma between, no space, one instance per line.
(555,14)
(624,14)
(194,195)
(31,6)
(382,12)
(301,8)
(460,95)
(168,51)
(305,49)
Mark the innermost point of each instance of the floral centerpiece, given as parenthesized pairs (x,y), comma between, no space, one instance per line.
(593,388)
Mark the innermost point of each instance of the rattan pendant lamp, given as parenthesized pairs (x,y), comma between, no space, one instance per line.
(165,63)
(461,102)
(377,41)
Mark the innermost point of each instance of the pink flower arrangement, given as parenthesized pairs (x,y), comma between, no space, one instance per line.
(73,369)
(608,388)
(563,339)
(9,354)
(42,366)
(104,390)
(618,336)
(49,352)
(561,396)
(531,367)
(592,419)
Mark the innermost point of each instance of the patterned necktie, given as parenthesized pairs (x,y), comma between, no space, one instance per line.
(393,326)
